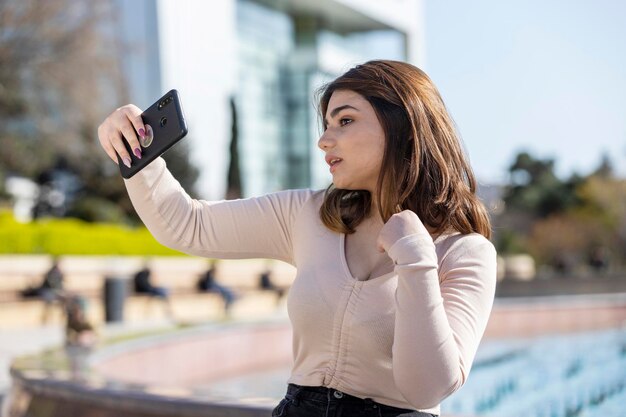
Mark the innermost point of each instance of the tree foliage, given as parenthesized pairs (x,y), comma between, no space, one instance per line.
(60,76)
(56,77)
(233,183)
(555,219)
(535,187)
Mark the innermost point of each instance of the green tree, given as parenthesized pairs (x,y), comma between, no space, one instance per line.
(552,219)
(605,169)
(233,185)
(604,201)
(59,78)
(535,189)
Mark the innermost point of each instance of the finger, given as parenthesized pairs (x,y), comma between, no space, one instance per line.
(117,143)
(133,113)
(131,137)
(108,148)
(103,137)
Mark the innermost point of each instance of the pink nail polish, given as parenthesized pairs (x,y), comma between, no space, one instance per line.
(126,161)
(142,132)
(137,152)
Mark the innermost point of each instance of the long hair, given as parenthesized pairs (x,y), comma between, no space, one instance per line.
(424,168)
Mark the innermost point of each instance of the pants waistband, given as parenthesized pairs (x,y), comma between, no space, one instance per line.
(296,392)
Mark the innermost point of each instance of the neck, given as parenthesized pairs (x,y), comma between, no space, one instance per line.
(373,214)
(373,204)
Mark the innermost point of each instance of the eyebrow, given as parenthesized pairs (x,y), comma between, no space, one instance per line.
(336,110)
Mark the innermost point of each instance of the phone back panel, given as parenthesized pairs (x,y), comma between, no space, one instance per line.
(168,124)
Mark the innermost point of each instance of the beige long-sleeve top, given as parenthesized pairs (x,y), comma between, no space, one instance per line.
(406,339)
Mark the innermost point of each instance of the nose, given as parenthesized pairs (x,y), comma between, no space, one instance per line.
(325,141)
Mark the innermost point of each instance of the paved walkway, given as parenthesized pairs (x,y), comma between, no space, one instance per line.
(18,342)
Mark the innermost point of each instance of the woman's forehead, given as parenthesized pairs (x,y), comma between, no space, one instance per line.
(340,97)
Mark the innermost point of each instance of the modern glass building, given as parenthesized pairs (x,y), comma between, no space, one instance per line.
(268,57)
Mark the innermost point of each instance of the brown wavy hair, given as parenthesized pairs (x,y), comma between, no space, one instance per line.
(424,168)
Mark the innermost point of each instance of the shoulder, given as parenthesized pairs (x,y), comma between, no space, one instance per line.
(294,204)
(456,240)
(317,197)
(297,195)
(456,247)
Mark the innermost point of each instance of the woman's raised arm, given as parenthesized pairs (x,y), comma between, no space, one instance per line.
(248,228)
(259,227)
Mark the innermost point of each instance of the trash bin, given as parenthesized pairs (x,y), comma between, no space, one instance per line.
(115,290)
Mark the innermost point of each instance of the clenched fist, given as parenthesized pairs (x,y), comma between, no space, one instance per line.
(398,226)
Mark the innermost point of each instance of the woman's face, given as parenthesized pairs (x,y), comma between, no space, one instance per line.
(354,141)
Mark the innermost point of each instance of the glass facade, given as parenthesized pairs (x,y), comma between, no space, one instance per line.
(265,39)
(282,60)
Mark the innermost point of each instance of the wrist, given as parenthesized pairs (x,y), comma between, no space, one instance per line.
(412,248)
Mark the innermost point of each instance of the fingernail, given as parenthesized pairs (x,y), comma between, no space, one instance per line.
(138,153)
(126,161)
(142,132)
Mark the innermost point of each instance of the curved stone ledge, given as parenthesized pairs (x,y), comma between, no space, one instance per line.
(31,396)
(155,376)
(197,355)
(526,317)
(135,379)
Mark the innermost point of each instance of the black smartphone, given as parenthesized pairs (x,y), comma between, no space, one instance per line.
(165,125)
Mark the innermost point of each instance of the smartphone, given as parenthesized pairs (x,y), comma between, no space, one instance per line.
(165,125)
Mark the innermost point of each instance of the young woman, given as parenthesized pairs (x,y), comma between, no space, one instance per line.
(396,275)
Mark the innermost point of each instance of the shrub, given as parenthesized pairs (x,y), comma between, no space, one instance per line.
(75,237)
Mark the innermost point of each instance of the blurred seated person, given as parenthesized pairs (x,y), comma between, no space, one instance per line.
(50,290)
(207,283)
(51,286)
(599,259)
(266,283)
(143,285)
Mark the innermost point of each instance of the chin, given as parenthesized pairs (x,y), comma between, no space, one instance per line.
(342,186)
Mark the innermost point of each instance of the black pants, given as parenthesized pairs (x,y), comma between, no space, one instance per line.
(325,402)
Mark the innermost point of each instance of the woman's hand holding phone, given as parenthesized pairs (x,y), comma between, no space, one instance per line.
(133,138)
(124,124)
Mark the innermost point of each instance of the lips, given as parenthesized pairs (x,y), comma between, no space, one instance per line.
(333,161)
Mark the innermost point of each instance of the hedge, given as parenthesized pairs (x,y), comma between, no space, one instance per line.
(75,237)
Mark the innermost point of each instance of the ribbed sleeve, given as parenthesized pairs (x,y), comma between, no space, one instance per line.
(439,324)
(259,227)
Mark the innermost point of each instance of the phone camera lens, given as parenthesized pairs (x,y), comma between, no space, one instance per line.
(165,102)
(163,121)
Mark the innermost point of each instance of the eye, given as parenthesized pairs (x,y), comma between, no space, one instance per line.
(345,121)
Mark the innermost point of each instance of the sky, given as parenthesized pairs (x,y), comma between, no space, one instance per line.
(547,77)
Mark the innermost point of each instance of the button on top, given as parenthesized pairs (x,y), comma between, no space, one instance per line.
(338,394)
